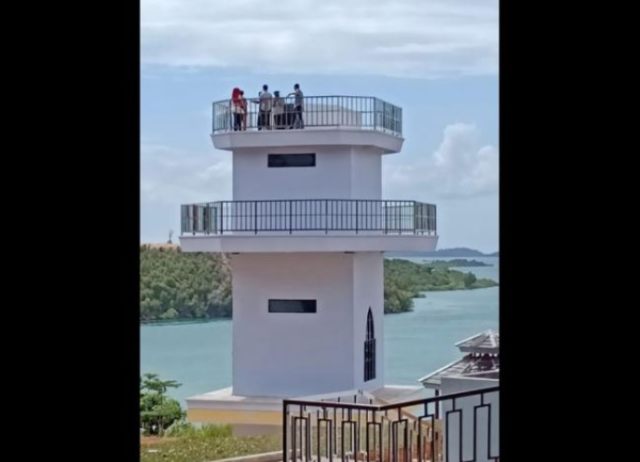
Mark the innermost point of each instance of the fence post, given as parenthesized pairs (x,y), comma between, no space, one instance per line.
(255,217)
(326,216)
(384,216)
(373,102)
(435,220)
(284,431)
(194,211)
(357,217)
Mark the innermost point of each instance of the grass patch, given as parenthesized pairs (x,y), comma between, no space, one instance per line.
(186,443)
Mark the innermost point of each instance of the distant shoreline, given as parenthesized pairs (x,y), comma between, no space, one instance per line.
(179,321)
(462,252)
(457,252)
(457,263)
(177,287)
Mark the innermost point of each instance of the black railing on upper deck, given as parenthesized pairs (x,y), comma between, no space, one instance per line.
(461,427)
(361,112)
(319,215)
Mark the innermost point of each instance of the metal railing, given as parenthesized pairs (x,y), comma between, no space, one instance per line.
(362,112)
(456,427)
(318,215)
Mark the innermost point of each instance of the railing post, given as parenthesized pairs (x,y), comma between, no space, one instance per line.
(326,216)
(373,111)
(357,217)
(193,219)
(255,217)
(205,219)
(221,217)
(284,431)
(384,215)
(182,221)
(435,220)
(290,214)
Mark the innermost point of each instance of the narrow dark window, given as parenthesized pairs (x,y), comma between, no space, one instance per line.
(292,306)
(370,350)
(291,160)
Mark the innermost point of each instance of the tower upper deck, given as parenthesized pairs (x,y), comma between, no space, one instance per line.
(326,121)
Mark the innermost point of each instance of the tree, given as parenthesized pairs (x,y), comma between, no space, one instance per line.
(469,279)
(171,313)
(157,411)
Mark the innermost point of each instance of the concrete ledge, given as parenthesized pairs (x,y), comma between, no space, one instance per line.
(320,136)
(264,457)
(318,243)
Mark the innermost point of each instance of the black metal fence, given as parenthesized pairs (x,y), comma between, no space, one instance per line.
(362,112)
(461,427)
(319,215)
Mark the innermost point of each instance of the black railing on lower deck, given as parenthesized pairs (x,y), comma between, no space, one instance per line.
(319,215)
(461,427)
(360,112)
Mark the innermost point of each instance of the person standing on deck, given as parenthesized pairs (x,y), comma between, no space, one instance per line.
(297,106)
(236,109)
(278,110)
(265,102)
(245,110)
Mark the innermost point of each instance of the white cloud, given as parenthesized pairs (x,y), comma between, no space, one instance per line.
(174,176)
(460,167)
(410,38)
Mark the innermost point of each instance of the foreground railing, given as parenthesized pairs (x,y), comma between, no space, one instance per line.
(362,112)
(319,215)
(462,427)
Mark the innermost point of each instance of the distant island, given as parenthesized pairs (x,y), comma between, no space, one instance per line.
(196,286)
(452,252)
(405,280)
(457,262)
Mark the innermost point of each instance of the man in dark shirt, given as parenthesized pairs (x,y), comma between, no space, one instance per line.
(298,106)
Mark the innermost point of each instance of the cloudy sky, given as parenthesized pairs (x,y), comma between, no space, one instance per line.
(438,59)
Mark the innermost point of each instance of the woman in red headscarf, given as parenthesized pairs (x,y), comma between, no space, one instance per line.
(237,109)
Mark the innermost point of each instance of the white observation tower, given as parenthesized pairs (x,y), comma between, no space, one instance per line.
(305,233)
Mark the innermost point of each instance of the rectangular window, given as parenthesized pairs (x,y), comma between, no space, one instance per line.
(292,160)
(292,306)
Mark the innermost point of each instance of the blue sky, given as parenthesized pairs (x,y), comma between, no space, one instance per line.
(435,59)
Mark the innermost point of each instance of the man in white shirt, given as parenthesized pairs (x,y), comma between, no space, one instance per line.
(277,108)
(265,101)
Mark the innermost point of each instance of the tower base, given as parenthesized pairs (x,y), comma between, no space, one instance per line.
(262,415)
